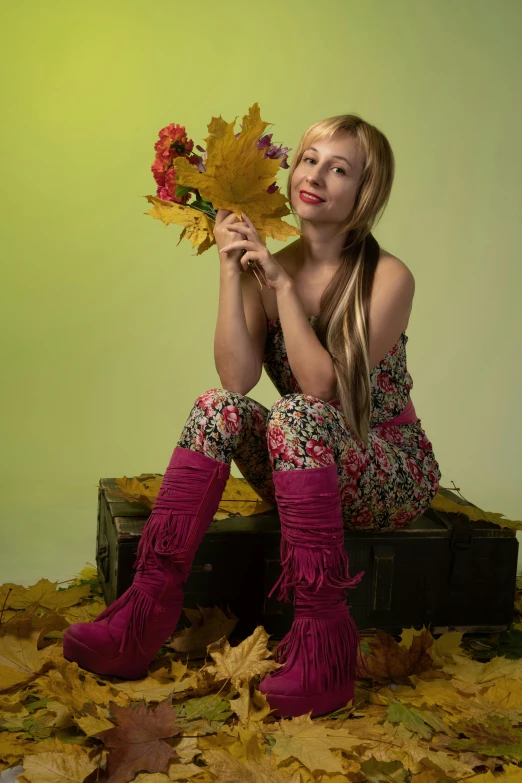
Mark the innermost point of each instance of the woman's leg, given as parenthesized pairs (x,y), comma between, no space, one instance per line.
(126,636)
(326,481)
(320,653)
(383,487)
(230,426)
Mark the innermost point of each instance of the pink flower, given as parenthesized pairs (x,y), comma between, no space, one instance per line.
(349,493)
(381,455)
(401,518)
(276,441)
(363,519)
(320,452)
(424,443)
(232,419)
(391,434)
(351,464)
(385,383)
(415,472)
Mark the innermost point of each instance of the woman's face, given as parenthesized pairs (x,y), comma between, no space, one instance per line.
(334,179)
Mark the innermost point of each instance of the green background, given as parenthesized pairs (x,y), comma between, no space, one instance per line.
(108,325)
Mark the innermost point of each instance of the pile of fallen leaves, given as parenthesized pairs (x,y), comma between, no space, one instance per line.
(429,709)
(239,498)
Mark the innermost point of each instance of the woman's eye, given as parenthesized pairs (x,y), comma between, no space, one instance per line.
(337,167)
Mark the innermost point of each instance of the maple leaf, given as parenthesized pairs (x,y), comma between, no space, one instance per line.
(237,178)
(43,593)
(63,683)
(138,741)
(450,506)
(207,624)
(199,227)
(238,496)
(250,707)
(495,737)
(414,753)
(246,660)
(312,743)
(20,658)
(155,688)
(390,660)
(263,769)
(67,762)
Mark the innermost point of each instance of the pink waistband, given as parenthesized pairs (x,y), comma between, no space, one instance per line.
(407,416)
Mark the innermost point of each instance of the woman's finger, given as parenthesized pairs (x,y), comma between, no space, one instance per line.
(246,243)
(239,227)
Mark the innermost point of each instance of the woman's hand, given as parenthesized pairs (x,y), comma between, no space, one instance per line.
(256,252)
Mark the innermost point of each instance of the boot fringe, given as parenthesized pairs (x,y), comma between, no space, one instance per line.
(314,567)
(332,651)
(140,618)
(166,533)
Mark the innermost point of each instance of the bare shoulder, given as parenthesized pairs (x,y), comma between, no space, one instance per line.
(390,268)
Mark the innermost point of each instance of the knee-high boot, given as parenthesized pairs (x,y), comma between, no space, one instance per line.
(321,651)
(126,636)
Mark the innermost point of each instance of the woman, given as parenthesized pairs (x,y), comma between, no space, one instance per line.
(342,447)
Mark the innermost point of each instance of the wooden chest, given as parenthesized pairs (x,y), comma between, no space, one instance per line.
(443,570)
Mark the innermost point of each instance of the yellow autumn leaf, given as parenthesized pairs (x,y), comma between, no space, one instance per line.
(207,625)
(236,178)
(448,695)
(155,688)
(511,773)
(446,646)
(250,708)
(312,743)
(445,504)
(199,227)
(74,687)
(70,763)
(13,747)
(20,658)
(507,693)
(480,673)
(238,496)
(91,724)
(403,745)
(229,769)
(246,660)
(43,593)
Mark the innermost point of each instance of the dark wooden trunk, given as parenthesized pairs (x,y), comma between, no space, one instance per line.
(443,571)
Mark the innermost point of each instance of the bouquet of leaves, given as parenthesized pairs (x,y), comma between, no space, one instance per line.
(236,172)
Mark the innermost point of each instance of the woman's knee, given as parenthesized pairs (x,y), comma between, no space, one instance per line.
(219,394)
(289,402)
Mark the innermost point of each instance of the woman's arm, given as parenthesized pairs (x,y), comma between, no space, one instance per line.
(234,355)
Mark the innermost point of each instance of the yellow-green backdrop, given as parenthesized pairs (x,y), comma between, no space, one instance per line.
(108,324)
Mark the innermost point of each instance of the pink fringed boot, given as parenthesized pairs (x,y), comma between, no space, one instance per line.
(320,652)
(125,637)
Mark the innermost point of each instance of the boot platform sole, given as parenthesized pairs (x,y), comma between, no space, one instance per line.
(122,666)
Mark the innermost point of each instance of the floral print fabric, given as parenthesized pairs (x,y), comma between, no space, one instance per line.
(383,486)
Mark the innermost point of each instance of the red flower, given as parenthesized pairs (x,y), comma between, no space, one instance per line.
(320,452)
(232,419)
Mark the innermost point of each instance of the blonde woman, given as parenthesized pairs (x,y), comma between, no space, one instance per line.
(342,447)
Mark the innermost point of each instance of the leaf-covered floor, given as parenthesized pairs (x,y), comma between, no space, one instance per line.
(432,710)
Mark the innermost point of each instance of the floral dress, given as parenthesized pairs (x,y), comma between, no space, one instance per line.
(384,485)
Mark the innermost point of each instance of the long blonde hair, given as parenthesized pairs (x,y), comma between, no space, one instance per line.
(342,326)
